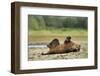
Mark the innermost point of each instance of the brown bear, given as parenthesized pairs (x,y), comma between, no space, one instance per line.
(68,46)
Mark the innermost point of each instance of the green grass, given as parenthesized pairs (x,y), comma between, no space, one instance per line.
(58,32)
(46,35)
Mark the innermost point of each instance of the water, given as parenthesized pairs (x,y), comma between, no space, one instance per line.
(37,46)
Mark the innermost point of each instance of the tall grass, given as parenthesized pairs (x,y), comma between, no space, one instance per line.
(46,35)
(58,32)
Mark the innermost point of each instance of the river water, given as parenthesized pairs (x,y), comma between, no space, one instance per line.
(37,46)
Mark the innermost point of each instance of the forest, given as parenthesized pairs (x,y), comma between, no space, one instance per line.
(36,22)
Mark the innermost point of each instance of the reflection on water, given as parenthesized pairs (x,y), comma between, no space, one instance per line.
(37,46)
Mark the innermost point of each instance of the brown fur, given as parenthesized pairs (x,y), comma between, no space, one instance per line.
(68,46)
